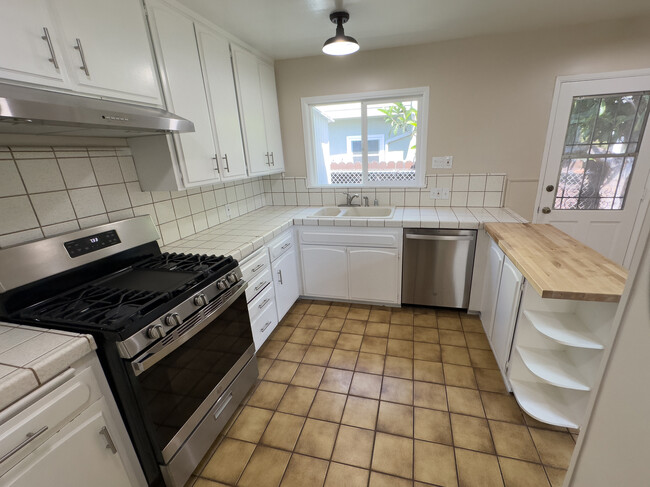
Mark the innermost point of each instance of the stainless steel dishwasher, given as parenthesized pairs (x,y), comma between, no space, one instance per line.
(437,267)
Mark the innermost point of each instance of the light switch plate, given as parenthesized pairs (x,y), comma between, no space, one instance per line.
(439,194)
(442,162)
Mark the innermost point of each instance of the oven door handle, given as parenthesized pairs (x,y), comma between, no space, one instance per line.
(148,361)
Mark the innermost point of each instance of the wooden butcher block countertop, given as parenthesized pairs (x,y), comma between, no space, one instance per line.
(557,265)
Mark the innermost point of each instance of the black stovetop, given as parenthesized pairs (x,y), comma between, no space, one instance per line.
(128,298)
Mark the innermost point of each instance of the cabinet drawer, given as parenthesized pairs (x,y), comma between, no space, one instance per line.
(369,238)
(280,245)
(255,265)
(46,416)
(264,324)
(258,283)
(261,303)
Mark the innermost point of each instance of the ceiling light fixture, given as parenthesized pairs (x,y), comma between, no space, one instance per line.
(340,44)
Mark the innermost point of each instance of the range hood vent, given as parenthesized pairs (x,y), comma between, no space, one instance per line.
(40,112)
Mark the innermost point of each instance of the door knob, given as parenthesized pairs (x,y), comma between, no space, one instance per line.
(546,210)
(550,188)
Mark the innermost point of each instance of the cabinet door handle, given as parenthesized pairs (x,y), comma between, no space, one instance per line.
(109,441)
(225,158)
(83,66)
(46,37)
(264,303)
(280,276)
(216,166)
(30,437)
(266,325)
(272,159)
(268,160)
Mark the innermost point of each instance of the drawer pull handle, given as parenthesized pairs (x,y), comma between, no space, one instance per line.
(266,325)
(223,403)
(30,437)
(109,441)
(260,285)
(280,276)
(264,303)
(257,267)
(288,244)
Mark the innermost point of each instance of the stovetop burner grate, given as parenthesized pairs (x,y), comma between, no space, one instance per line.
(96,305)
(183,262)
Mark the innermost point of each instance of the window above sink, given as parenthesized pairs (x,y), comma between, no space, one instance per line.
(366,139)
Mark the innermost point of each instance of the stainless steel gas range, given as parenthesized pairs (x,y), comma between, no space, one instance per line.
(173,331)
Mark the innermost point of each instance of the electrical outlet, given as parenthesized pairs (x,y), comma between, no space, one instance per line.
(443,162)
(228,211)
(439,194)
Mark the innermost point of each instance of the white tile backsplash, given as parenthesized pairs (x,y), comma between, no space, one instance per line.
(46,191)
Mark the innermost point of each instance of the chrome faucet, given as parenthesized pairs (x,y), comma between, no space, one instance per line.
(349,197)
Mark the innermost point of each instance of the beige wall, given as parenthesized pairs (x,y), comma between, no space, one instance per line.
(490,96)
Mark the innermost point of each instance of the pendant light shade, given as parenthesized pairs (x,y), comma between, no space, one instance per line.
(340,44)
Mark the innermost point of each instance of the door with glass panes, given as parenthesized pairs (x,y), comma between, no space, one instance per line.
(597,162)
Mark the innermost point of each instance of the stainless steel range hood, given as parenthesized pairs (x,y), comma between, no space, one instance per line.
(40,112)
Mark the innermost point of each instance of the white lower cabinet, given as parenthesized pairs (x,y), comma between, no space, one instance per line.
(82,453)
(374,274)
(355,265)
(325,271)
(286,281)
(69,432)
(492,278)
(505,313)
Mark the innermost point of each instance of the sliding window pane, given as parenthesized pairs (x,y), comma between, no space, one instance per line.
(392,142)
(337,143)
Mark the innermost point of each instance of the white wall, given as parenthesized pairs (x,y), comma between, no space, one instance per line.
(614,447)
(490,96)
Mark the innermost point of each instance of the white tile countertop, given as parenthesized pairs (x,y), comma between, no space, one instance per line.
(243,235)
(29,357)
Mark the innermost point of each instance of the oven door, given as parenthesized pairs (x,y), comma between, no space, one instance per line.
(181,377)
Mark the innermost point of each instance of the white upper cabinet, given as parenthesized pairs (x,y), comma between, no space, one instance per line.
(175,42)
(214,52)
(259,113)
(29,48)
(87,46)
(271,116)
(107,49)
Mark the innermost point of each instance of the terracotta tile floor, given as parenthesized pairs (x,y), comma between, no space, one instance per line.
(353,395)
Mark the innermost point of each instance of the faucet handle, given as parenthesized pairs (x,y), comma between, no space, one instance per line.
(365,201)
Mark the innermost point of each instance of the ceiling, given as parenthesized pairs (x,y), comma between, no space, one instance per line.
(294,28)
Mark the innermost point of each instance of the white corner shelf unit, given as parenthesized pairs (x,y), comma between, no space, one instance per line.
(556,354)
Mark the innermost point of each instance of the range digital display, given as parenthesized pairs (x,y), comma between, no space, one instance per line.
(85,245)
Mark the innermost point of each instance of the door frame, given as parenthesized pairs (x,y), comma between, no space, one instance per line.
(559,81)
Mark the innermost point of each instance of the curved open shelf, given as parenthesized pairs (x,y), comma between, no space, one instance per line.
(554,367)
(564,328)
(545,403)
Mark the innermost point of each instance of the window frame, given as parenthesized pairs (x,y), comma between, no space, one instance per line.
(366,98)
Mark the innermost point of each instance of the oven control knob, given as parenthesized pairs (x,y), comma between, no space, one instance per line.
(200,300)
(156,331)
(222,284)
(173,319)
(232,278)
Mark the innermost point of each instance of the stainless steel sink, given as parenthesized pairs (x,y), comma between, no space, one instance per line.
(369,212)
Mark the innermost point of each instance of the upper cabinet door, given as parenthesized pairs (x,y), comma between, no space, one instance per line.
(271,116)
(107,50)
(252,111)
(175,43)
(214,52)
(29,49)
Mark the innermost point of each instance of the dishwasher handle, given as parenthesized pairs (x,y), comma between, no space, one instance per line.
(455,238)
